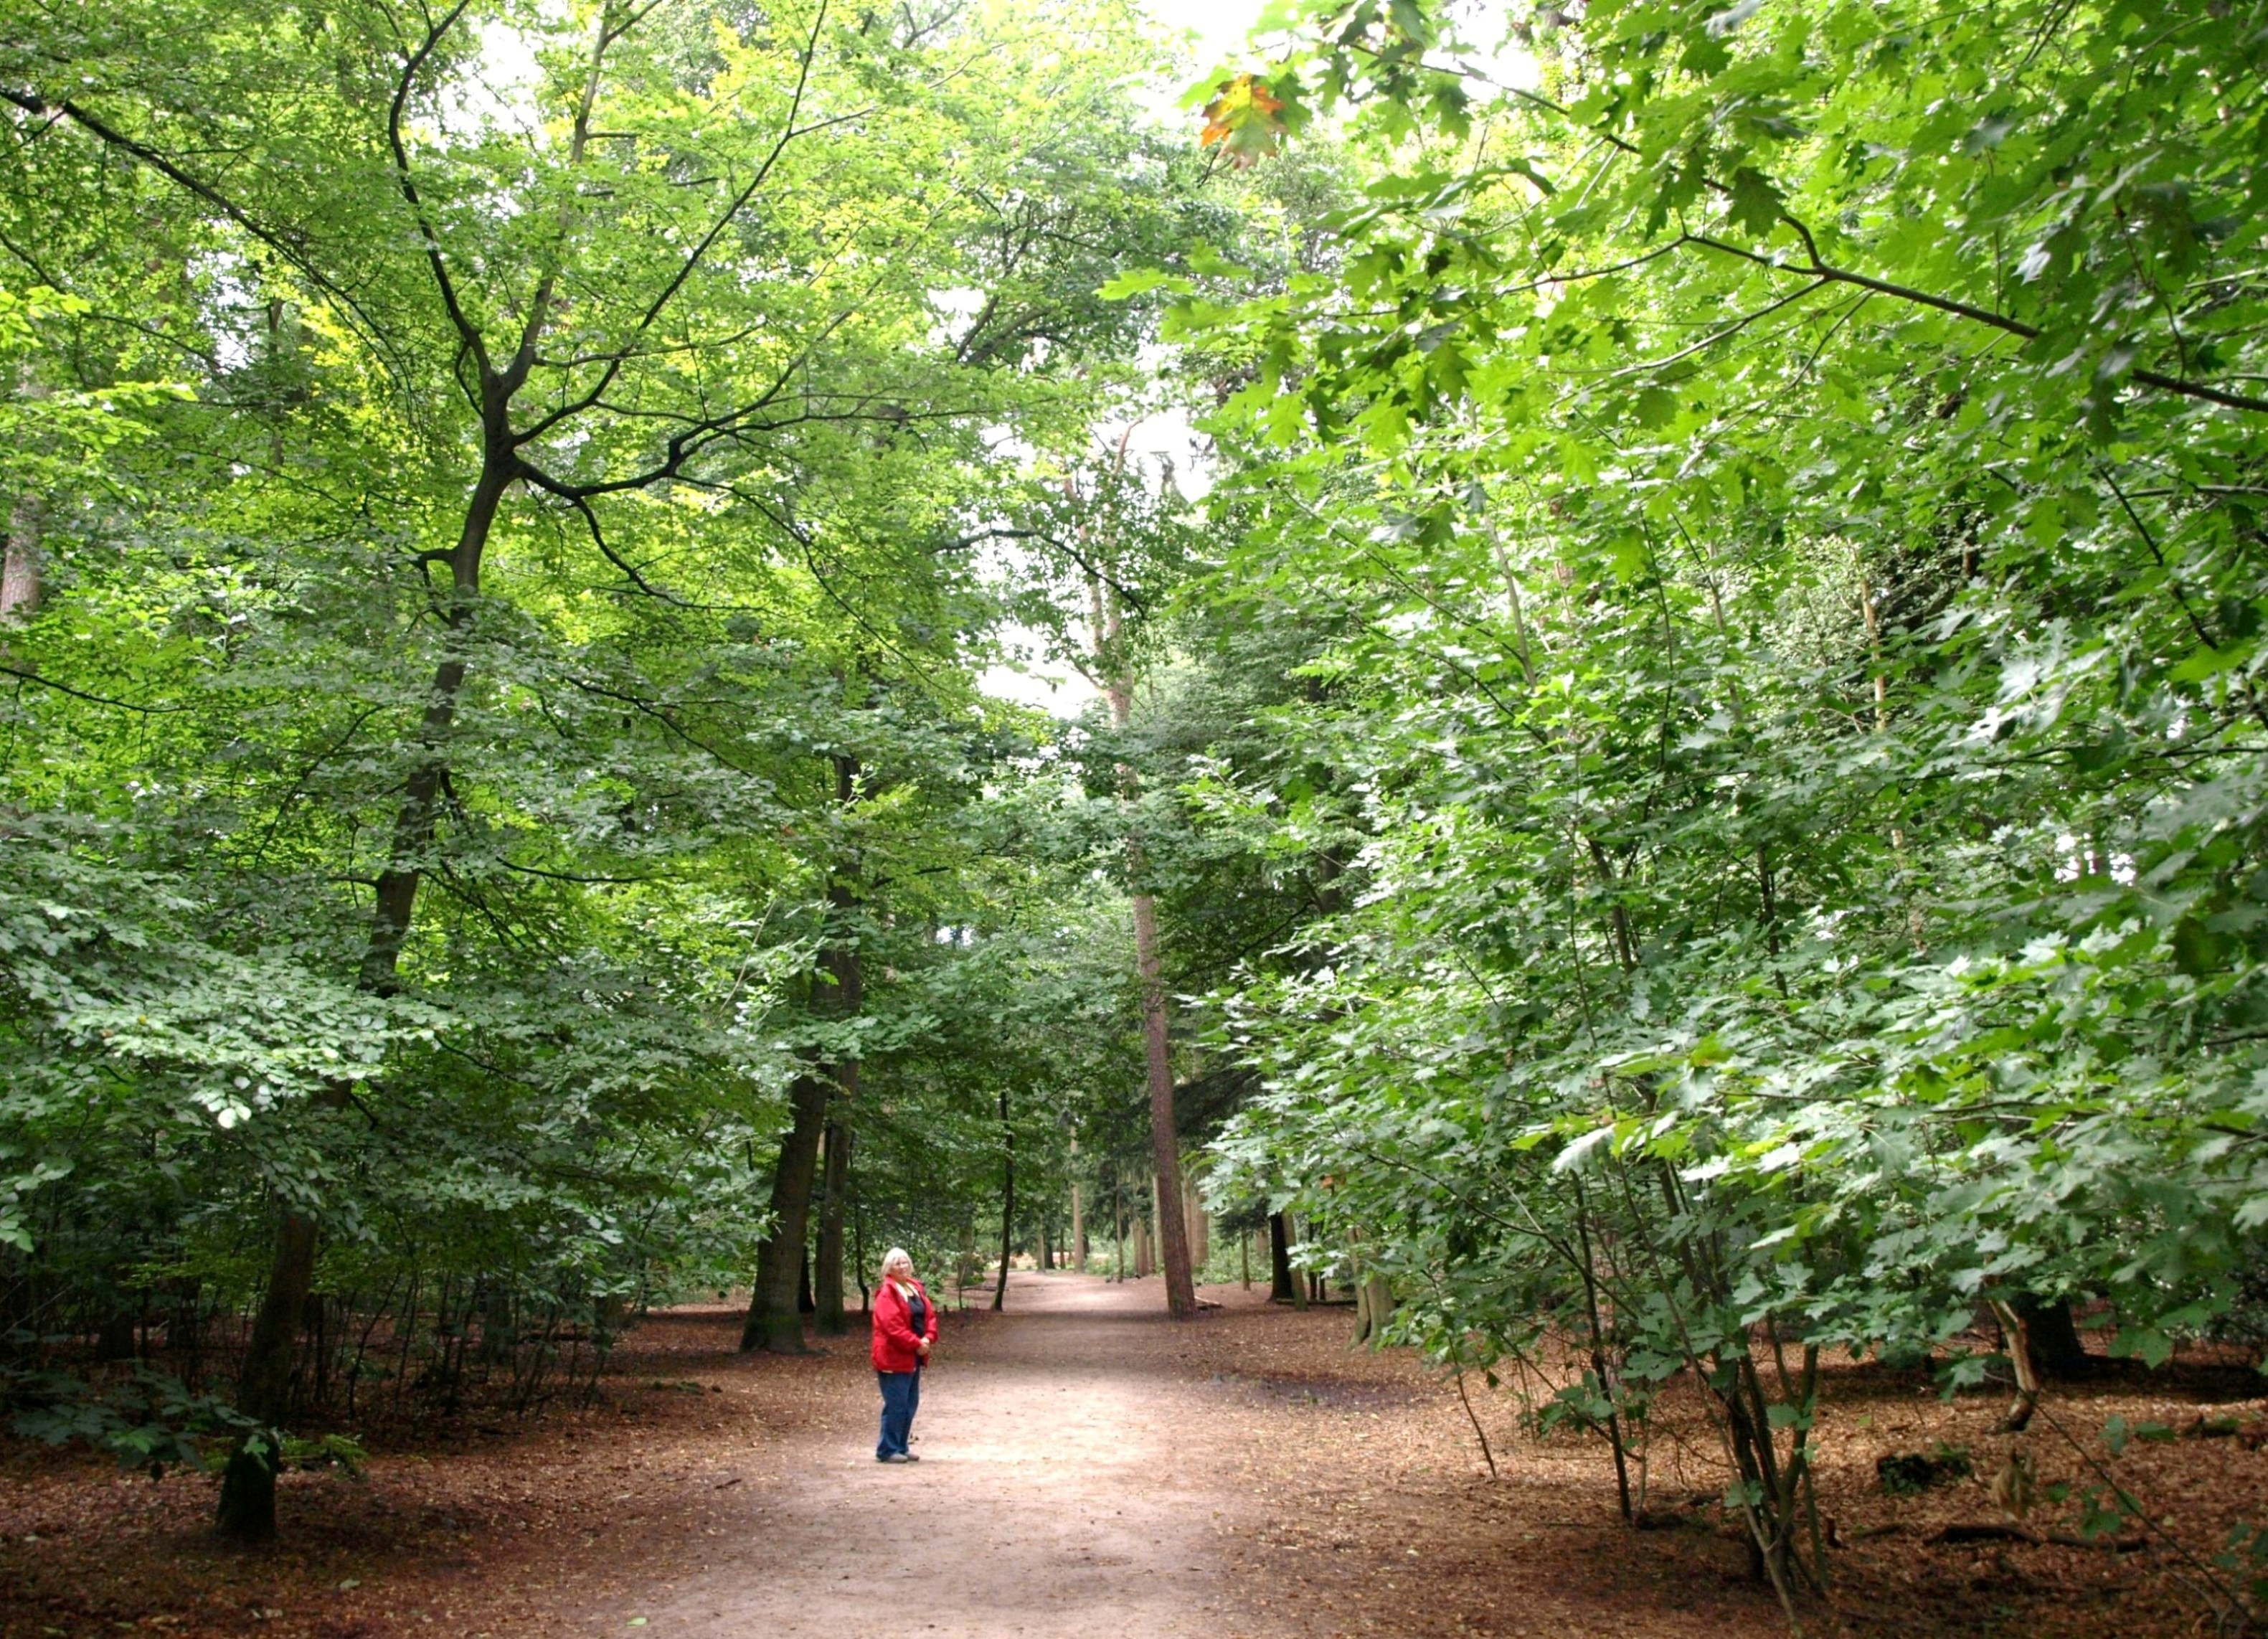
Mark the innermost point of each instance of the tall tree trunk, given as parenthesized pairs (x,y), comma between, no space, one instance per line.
(1173,1237)
(847,971)
(774,1321)
(21,579)
(1173,1232)
(1077,1218)
(1200,1226)
(834,1191)
(1007,1201)
(858,1255)
(247,1500)
(19,571)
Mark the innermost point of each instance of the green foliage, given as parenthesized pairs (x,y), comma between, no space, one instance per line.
(490,473)
(1774,492)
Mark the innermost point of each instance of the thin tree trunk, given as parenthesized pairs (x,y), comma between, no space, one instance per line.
(1200,1226)
(827,1276)
(1007,1201)
(1078,1219)
(1173,1232)
(1181,1292)
(846,967)
(248,1502)
(1280,1288)
(859,1253)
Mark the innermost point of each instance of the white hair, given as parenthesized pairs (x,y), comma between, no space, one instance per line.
(895,1256)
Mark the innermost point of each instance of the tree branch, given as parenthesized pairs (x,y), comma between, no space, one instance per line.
(467,331)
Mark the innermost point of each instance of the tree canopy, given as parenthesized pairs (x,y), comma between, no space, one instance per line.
(1685,771)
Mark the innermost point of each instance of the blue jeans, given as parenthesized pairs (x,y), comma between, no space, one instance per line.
(901,1398)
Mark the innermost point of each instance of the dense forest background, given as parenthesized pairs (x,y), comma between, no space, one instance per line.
(1678,793)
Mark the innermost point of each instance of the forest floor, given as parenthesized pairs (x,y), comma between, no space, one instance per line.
(1091,1469)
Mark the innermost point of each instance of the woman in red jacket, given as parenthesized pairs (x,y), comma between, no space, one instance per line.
(905,1325)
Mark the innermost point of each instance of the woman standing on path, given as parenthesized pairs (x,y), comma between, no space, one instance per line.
(905,1325)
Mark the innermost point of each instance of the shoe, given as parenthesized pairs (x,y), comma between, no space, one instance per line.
(893,1457)
(911,1458)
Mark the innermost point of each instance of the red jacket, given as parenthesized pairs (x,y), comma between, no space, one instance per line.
(895,1341)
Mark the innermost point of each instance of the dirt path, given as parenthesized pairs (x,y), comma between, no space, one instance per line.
(1089,1467)
(1053,1497)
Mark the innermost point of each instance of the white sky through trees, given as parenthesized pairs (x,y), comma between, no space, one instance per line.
(1218,29)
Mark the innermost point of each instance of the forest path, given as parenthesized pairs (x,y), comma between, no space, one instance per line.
(1088,1468)
(1058,1494)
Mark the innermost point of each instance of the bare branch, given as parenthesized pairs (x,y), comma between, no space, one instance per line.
(467,331)
(80,694)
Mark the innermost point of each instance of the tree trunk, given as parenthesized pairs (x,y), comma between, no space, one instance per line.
(846,967)
(415,823)
(1373,1305)
(1007,1201)
(1078,1225)
(19,571)
(773,1321)
(782,1267)
(1181,1293)
(1173,1233)
(1200,1227)
(2057,1351)
(858,1255)
(263,1388)
(247,1498)
(828,1275)
(114,1339)
(1280,1289)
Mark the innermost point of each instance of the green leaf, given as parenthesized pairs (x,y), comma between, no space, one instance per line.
(1754,201)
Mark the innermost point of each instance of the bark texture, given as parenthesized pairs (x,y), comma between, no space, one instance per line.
(834,1193)
(19,572)
(1172,1231)
(774,1321)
